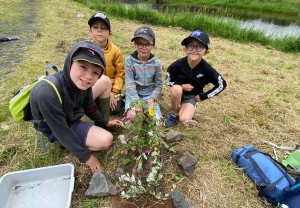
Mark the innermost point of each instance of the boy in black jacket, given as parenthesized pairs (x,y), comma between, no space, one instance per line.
(83,66)
(188,76)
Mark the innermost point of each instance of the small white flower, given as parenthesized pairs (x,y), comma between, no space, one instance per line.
(150,133)
(122,139)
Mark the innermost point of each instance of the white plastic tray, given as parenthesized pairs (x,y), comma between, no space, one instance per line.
(47,187)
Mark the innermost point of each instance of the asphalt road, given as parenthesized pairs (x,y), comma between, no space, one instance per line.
(21,22)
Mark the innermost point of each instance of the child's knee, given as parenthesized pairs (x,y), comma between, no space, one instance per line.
(184,118)
(107,141)
(176,90)
(105,80)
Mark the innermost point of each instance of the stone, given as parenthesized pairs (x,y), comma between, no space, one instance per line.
(118,173)
(187,160)
(174,136)
(100,185)
(178,200)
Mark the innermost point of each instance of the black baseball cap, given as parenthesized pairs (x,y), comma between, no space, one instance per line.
(144,32)
(199,35)
(87,54)
(99,16)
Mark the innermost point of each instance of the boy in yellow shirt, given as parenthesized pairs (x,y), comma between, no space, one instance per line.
(100,30)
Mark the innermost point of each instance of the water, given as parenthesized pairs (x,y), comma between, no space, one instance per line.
(273,25)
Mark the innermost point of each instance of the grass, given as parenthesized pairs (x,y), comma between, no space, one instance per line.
(290,7)
(261,102)
(192,21)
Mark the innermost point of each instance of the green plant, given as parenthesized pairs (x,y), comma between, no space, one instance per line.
(142,148)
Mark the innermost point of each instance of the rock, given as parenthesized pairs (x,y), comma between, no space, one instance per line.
(118,173)
(100,185)
(179,201)
(187,160)
(174,136)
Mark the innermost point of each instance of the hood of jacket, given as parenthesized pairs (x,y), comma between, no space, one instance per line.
(67,66)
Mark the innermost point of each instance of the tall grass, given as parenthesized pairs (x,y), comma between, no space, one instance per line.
(274,6)
(191,21)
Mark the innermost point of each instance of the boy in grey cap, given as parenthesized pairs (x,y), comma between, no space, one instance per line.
(188,76)
(62,122)
(143,73)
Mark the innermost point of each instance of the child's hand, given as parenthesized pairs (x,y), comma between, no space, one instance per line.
(114,123)
(138,110)
(94,164)
(187,87)
(150,103)
(113,101)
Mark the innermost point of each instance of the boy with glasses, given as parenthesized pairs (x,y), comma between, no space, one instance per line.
(188,76)
(112,84)
(143,73)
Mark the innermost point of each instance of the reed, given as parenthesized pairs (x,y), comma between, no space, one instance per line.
(279,6)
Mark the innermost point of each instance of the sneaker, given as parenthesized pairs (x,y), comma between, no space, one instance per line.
(171,120)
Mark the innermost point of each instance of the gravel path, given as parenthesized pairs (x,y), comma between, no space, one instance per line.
(22,24)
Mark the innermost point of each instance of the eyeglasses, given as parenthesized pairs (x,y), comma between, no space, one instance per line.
(191,47)
(141,45)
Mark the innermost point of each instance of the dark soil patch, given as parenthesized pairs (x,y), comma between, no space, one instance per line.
(21,24)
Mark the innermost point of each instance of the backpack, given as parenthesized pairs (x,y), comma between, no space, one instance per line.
(19,104)
(274,183)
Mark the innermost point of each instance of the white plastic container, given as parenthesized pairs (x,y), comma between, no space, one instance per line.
(47,187)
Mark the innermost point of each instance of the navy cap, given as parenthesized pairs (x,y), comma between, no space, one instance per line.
(199,35)
(99,16)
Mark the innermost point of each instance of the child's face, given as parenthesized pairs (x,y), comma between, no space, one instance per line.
(143,47)
(85,74)
(100,32)
(195,50)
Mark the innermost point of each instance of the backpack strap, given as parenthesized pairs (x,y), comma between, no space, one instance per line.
(52,80)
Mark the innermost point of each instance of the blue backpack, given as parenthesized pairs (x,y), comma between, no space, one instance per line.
(274,183)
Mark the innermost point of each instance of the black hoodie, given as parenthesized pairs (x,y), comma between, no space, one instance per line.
(58,117)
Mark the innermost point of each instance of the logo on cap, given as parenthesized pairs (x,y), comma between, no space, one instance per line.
(101,15)
(196,33)
(141,30)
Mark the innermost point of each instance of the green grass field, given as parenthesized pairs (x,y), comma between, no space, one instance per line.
(261,102)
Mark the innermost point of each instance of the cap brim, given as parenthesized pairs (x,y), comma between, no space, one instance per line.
(184,42)
(88,59)
(142,36)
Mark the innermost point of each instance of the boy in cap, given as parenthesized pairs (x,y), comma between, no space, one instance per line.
(83,66)
(143,73)
(188,76)
(100,30)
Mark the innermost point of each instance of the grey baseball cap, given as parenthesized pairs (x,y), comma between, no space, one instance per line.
(86,54)
(144,32)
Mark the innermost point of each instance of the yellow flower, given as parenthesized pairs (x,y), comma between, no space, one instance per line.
(122,152)
(155,148)
(133,148)
(157,143)
(151,112)
(135,158)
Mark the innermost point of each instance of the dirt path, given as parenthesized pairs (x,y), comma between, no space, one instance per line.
(22,22)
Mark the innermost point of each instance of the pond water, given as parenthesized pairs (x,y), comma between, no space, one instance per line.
(273,25)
